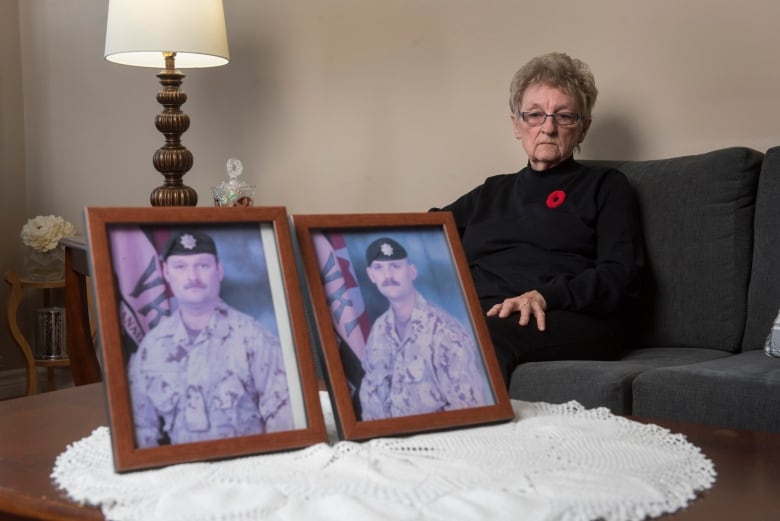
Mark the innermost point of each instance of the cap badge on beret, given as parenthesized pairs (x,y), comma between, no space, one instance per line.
(188,241)
(387,249)
(384,249)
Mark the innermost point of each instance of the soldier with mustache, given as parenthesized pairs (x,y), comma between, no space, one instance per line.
(419,359)
(207,371)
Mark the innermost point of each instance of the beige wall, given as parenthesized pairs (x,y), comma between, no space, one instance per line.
(369,105)
(11,160)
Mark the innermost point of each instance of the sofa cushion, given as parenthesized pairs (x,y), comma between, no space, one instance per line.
(764,291)
(654,357)
(738,391)
(697,217)
(598,383)
(591,383)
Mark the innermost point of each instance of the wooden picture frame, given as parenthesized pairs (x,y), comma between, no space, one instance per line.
(348,304)
(183,385)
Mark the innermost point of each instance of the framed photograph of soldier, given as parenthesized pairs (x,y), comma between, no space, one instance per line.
(201,325)
(404,344)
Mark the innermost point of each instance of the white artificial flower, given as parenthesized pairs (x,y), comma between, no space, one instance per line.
(43,233)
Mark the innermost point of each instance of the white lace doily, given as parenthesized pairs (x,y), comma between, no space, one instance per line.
(553,462)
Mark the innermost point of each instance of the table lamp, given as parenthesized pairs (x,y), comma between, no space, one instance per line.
(165,34)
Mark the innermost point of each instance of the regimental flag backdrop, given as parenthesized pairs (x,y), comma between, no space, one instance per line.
(347,308)
(143,295)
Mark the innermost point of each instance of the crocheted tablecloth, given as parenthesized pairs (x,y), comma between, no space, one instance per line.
(553,462)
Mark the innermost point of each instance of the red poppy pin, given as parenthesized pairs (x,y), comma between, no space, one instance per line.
(556,198)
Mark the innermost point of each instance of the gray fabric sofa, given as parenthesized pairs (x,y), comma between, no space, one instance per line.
(712,291)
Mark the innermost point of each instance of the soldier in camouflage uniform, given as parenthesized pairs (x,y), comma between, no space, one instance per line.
(208,371)
(418,359)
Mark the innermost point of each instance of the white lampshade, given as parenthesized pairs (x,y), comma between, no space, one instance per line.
(139,31)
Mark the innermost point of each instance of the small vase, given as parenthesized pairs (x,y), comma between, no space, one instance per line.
(45,265)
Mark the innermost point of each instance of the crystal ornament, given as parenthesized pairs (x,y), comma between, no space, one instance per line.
(233,192)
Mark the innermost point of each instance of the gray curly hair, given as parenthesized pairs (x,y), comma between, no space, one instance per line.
(558,70)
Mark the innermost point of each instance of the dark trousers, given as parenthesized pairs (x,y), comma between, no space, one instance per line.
(568,336)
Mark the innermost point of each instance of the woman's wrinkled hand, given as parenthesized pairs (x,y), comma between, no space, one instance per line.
(530,303)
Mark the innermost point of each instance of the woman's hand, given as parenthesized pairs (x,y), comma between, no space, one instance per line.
(530,303)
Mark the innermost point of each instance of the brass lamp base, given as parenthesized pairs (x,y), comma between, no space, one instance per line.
(172,160)
(176,195)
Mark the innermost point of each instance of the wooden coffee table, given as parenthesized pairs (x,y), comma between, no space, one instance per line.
(34,430)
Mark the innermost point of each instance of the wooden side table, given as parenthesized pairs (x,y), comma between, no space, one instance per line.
(84,366)
(18,285)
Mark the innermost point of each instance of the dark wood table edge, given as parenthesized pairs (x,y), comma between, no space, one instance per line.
(16,506)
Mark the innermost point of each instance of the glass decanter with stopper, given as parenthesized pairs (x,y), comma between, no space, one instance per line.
(234,192)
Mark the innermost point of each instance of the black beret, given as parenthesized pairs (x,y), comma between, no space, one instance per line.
(188,243)
(384,249)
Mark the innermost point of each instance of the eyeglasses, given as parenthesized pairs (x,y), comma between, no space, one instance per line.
(536,118)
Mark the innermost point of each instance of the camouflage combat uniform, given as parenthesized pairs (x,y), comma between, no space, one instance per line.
(229,381)
(434,367)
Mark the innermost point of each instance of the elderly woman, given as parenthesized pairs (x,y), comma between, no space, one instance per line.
(555,250)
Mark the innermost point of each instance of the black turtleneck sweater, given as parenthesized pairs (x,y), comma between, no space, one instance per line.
(572,233)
